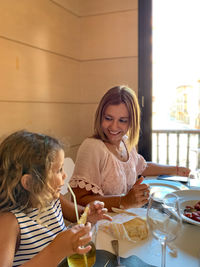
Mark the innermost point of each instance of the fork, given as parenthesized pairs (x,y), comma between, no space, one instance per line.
(115,245)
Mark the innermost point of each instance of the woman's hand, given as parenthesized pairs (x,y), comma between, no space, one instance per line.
(97,212)
(137,196)
(183,171)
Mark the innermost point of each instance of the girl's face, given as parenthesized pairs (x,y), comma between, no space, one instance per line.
(115,122)
(58,174)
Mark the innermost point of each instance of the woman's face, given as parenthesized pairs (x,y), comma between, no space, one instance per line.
(58,174)
(115,122)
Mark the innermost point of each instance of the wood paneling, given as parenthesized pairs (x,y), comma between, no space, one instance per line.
(96,7)
(58,57)
(42,24)
(29,74)
(72,6)
(110,35)
(98,76)
(70,123)
(93,7)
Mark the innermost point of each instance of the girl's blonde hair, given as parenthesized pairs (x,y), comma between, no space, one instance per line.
(29,153)
(116,96)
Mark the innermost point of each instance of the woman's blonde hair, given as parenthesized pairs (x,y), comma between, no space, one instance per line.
(24,153)
(116,96)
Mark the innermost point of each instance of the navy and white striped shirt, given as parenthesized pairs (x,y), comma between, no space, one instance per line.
(37,230)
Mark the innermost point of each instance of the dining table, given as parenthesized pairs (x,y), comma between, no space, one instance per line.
(183,251)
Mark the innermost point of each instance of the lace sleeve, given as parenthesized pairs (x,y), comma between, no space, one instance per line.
(88,166)
(83,183)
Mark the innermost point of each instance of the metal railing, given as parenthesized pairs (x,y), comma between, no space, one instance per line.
(179,147)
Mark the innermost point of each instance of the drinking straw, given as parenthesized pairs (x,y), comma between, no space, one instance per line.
(75,203)
(77,217)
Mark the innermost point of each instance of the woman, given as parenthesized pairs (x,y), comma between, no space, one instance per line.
(108,165)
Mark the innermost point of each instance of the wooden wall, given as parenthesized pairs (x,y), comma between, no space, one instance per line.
(57,59)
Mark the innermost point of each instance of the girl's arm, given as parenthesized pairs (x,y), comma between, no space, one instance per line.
(68,209)
(96,211)
(154,169)
(64,244)
(9,236)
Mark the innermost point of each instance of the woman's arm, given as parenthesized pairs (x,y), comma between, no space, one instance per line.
(154,169)
(136,197)
(84,197)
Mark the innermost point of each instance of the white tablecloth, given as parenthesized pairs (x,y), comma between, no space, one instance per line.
(188,246)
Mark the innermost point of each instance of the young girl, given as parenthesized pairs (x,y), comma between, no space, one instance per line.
(32,229)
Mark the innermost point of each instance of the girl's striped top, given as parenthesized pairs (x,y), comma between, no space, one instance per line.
(37,230)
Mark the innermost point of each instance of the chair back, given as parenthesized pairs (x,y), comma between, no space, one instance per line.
(68,168)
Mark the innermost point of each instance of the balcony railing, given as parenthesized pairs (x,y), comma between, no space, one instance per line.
(177,147)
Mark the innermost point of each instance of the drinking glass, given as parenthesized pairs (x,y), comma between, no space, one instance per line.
(88,259)
(194,176)
(164,219)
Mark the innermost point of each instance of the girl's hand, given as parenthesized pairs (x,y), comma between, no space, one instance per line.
(73,240)
(138,196)
(97,212)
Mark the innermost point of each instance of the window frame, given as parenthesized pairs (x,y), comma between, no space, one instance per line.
(145,76)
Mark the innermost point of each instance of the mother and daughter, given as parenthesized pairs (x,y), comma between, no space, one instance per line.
(32,229)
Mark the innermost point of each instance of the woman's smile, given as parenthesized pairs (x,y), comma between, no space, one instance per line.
(115,122)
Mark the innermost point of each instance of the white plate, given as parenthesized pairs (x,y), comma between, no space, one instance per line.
(189,197)
(164,187)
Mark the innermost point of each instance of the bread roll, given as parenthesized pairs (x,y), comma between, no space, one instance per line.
(136,228)
(126,228)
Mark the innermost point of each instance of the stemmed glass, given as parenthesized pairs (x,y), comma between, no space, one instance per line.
(164,219)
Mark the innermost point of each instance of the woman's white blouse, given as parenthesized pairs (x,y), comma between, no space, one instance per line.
(99,170)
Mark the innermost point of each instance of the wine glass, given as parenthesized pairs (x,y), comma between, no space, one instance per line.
(164,219)
(88,259)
